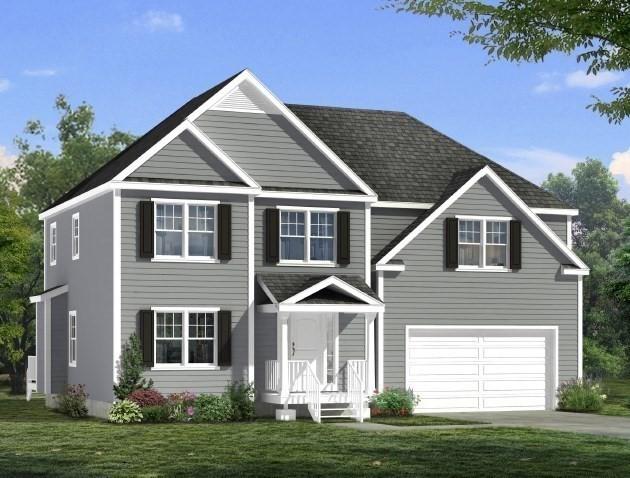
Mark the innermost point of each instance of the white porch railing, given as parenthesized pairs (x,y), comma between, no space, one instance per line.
(297,380)
(356,386)
(272,375)
(31,376)
(313,389)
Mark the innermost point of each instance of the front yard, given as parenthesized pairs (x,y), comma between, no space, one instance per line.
(38,442)
(617,397)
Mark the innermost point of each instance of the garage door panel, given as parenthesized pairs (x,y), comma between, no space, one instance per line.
(424,387)
(512,402)
(444,352)
(514,369)
(471,403)
(428,369)
(513,385)
(519,352)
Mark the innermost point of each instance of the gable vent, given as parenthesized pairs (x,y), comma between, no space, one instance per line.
(238,101)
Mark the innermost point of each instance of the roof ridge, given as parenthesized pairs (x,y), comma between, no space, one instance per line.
(347,108)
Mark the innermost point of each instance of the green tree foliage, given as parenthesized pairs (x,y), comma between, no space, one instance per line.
(596,32)
(44,170)
(618,284)
(130,370)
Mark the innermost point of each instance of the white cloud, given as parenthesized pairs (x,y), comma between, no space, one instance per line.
(620,165)
(157,20)
(548,83)
(4,84)
(6,160)
(535,163)
(40,72)
(579,79)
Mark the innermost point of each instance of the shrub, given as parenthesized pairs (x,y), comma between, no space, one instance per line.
(181,406)
(213,408)
(147,398)
(582,395)
(393,401)
(125,411)
(130,370)
(73,401)
(156,414)
(241,394)
(599,362)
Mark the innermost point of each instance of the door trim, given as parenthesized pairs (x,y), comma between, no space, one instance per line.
(551,397)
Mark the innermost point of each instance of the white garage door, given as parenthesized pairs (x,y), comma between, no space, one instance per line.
(481,369)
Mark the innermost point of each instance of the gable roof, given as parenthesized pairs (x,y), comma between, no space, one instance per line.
(395,153)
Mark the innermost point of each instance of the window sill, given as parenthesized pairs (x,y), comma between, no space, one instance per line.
(73,365)
(185,260)
(307,264)
(184,368)
(480,269)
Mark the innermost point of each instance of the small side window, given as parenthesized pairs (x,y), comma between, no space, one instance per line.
(75,236)
(72,338)
(52,239)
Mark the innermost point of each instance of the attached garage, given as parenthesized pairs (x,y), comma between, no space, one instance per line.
(459,369)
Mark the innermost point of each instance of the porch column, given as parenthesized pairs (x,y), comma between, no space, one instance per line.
(283,353)
(369,352)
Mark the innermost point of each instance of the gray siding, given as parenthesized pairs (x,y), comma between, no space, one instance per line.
(357,239)
(387,223)
(90,292)
(427,294)
(558,224)
(40,347)
(265,342)
(147,284)
(272,151)
(59,344)
(185,159)
(351,343)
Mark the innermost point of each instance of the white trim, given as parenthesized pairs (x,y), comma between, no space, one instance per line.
(468,217)
(551,394)
(380,290)
(117,288)
(75,254)
(483,244)
(403,204)
(183,188)
(48,295)
(481,269)
(573,271)
(53,245)
(210,310)
(555,211)
(77,200)
(284,308)
(194,202)
(580,326)
(71,314)
(266,290)
(334,282)
(307,261)
(288,263)
(308,208)
(338,197)
(247,75)
(487,172)
(569,232)
(188,260)
(368,245)
(251,308)
(390,267)
(172,367)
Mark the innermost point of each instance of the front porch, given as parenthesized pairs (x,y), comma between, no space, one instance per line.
(324,348)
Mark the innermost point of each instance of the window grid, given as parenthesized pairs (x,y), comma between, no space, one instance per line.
(72,338)
(314,228)
(53,244)
(75,236)
(489,238)
(189,332)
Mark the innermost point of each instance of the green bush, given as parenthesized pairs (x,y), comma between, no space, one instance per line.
(125,411)
(601,363)
(213,408)
(156,414)
(73,401)
(130,370)
(394,402)
(241,395)
(582,395)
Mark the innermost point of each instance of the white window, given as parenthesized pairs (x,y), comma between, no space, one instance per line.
(53,244)
(185,230)
(483,243)
(307,236)
(75,236)
(72,338)
(185,338)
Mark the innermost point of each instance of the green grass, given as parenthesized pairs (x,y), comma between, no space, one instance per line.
(420,420)
(38,442)
(617,397)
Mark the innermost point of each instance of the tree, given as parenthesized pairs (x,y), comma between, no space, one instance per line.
(39,177)
(596,32)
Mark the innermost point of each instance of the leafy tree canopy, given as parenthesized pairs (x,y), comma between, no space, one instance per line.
(596,31)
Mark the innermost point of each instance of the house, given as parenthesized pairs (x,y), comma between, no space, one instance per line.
(320,253)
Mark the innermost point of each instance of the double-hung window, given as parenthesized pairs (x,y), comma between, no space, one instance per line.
(52,238)
(307,236)
(185,230)
(75,236)
(483,243)
(72,338)
(185,338)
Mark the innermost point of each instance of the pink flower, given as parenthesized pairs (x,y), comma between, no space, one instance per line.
(190,411)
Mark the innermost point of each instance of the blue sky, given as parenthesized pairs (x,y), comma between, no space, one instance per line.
(137,61)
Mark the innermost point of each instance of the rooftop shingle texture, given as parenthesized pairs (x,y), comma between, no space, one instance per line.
(284,286)
(403,159)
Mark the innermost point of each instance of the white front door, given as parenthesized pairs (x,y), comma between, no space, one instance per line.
(310,340)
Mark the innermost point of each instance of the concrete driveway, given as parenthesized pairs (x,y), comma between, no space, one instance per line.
(561,421)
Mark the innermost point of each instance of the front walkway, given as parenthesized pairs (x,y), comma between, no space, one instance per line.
(560,421)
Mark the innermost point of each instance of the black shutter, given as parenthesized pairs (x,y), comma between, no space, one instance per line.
(145,224)
(451,246)
(272,235)
(225,232)
(225,338)
(343,237)
(146,337)
(515,245)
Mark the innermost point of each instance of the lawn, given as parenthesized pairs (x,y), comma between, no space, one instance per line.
(420,420)
(617,397)
(38,442)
